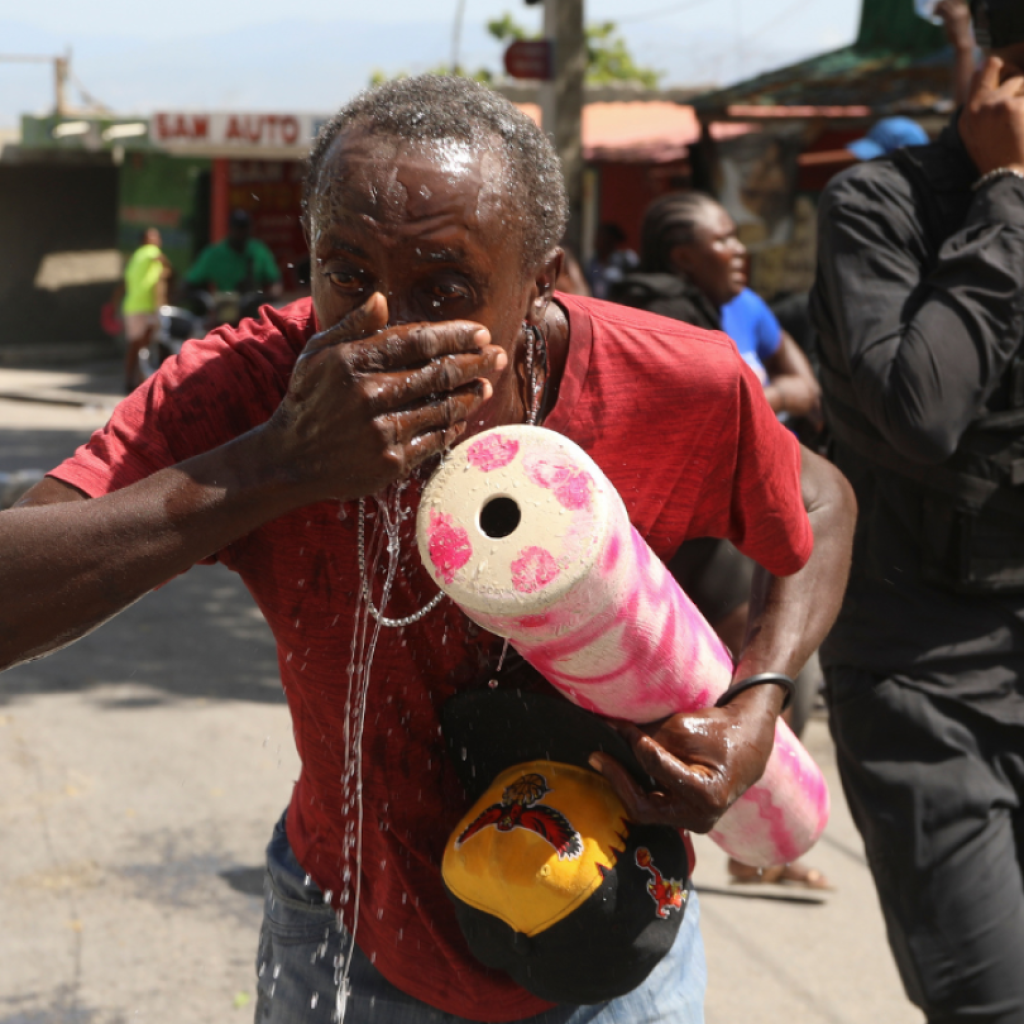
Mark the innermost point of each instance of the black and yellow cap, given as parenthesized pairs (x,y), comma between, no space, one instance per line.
(551,882)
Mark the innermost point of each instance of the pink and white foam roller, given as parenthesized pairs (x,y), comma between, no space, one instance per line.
(526,534)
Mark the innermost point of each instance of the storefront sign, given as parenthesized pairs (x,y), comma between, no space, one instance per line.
(181,129)
(529,58)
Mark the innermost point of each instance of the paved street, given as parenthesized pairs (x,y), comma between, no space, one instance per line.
(141,771)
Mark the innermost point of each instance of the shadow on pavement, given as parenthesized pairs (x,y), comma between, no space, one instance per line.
(199,636)
(245,880)
(773,896)
(37,449)
(100,378)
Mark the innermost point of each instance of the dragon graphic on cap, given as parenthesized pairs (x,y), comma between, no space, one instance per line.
(667,893)
(519,808)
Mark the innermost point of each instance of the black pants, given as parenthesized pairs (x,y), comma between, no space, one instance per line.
(935,789)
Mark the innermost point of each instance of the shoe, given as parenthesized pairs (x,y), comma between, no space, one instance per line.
(795,873)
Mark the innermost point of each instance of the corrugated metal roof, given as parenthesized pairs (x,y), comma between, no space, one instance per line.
(868,83)
(900,64)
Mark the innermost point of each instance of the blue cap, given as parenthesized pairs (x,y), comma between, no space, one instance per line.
(889,134)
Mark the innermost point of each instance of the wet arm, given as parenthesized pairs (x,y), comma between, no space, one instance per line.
(68,564)
(705,760)
(355,418)
(790,616)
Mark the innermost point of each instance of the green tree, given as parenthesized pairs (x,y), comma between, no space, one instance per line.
(608,58)
(485,75)
(507,30)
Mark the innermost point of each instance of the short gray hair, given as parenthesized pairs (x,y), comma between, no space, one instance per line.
(434,108)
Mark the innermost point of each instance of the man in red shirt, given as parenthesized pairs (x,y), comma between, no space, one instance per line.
(433,215)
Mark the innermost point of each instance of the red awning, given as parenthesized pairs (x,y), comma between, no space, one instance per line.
(641,132)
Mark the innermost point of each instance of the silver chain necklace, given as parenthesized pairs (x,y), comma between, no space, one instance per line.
(534,342)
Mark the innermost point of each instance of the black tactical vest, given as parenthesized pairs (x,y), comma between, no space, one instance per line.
(972,511)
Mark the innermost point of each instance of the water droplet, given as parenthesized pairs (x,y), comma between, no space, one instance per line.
(314,1000)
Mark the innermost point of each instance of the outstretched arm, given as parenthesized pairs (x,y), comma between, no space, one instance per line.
(356,417)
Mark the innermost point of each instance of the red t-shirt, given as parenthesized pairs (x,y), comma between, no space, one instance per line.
(671,414)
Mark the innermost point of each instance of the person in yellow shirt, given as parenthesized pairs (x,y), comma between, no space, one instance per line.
(145,284)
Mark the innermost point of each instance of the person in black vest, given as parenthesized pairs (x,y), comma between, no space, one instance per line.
(919,307)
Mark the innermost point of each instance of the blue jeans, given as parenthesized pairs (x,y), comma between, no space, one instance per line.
(300,943)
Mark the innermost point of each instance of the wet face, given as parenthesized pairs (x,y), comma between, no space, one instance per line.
(432,227)
(716,260)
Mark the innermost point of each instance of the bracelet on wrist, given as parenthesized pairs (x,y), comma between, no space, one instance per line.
(778,678)
(995,175)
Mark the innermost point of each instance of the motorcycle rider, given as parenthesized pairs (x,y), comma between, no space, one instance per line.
(238,263)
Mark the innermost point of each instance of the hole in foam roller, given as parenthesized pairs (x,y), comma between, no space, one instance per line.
(499,518)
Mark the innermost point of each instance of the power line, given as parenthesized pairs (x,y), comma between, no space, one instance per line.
(791,9)
(662,12)
(718,55)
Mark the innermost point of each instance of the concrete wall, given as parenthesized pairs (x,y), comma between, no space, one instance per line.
(67,212)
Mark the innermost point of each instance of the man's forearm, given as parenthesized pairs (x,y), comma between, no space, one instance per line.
(67,565)
(790,616)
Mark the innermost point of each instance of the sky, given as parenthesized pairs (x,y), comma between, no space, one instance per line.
(226,55)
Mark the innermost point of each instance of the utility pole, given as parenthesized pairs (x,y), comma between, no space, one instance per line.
(60,75)
(460,11)
(562,102)
(60,81)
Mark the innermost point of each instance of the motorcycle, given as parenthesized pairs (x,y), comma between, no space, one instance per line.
(178,324)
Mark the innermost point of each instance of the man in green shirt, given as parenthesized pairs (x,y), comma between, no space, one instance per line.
(238,263)
(145,280)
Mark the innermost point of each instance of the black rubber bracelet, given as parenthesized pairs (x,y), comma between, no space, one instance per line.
(789,685)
